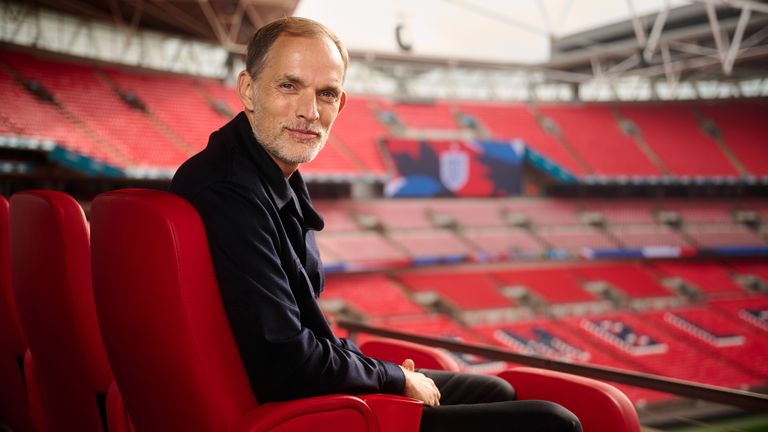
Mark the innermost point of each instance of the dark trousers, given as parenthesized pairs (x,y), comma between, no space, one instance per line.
(486,403)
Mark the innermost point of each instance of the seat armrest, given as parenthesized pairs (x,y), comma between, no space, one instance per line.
(320,413)
(395,413)
(396,351)
(599,406)
(117,416)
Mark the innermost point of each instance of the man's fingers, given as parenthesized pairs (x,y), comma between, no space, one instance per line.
(408,364)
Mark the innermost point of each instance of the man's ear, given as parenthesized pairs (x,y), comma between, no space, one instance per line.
(244,91)
(342,100)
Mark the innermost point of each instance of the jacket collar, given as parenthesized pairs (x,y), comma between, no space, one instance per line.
(282,191)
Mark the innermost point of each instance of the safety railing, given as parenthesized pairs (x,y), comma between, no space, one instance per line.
(746,400)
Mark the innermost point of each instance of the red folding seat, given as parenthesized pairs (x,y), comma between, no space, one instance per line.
(599,406)
(14,412)
(51,269)
(169,341)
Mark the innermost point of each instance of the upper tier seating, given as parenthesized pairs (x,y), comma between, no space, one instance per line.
(176,102)
(438,115)
(673,133)
(507,122)
(743,128)
(88,96)
(358,129)
(611,152)
(24,111)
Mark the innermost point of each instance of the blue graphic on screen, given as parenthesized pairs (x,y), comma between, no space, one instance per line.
(450,168)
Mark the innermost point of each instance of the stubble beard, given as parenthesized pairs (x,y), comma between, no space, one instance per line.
(280,145)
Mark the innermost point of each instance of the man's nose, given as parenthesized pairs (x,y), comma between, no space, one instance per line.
(307,107)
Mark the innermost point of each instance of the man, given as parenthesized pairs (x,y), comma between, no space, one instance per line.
(260,225)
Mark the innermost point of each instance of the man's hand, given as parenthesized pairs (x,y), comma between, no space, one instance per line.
(418,386)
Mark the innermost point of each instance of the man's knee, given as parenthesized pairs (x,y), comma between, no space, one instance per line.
(561,418)
(498,389)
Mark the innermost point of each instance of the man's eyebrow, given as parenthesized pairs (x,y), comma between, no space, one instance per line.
(297,80)
(293,79)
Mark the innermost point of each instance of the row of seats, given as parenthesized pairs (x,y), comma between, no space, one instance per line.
(647,140)
(715,344)
(137,306)
(548,285)
(431,245)
(402,214)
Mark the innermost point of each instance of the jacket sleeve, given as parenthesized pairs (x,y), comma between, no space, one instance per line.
(283,359)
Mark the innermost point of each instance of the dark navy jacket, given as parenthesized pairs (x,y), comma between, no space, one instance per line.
(260,230)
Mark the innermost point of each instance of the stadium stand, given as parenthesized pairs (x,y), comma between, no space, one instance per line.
(502,294)
(707,277)
(438,115)
(464,290)
(635,336)
(22,113)
(631,281)
(638,236)
(504,243)
(373,296)
(426,246)
(573,239)
(550,339)
(394,214)
(507,122)
(359,131)
(715,235)
(611,152)
(674,135)
(360,246)
(553,284)
(739,123)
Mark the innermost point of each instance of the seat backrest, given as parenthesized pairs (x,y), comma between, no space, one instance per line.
(14,411)
(160,311)
(51,273)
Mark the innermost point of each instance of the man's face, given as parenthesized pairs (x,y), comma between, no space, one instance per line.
(295,99)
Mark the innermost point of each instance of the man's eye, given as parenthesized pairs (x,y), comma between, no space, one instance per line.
(328,94)
(288,86)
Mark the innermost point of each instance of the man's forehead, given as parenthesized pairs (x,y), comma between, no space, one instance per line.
(321,47)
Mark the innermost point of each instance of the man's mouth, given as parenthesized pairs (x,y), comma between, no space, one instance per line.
(302,134)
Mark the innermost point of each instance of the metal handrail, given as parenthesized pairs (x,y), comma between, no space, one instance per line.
(739,398)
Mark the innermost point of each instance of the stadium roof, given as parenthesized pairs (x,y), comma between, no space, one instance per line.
(228,22)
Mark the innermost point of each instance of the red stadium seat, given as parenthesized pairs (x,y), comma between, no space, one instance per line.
(599,406)
(50,263)
(168,339)
(14,412)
